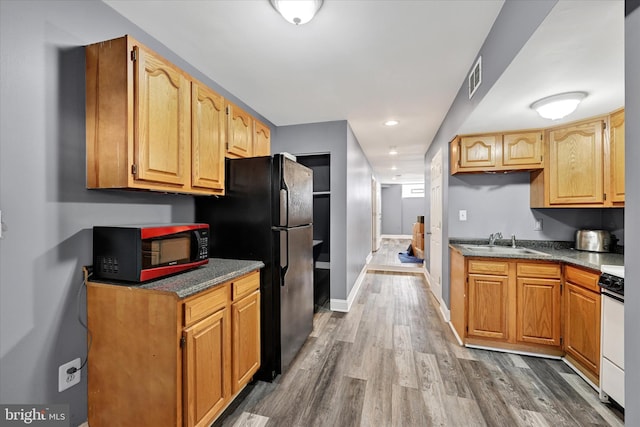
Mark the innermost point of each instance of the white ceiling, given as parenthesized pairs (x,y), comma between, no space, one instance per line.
(368,61)
(578,47)
(359,60)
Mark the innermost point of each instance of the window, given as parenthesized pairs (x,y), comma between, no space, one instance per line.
(412,190)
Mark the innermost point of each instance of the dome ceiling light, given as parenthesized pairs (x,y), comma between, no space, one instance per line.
(391,122)
(297,12)
(558,106)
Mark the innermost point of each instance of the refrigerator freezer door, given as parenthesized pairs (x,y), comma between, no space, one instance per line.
(296,194)
(296,292)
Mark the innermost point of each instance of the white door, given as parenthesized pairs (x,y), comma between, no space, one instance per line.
(435,245)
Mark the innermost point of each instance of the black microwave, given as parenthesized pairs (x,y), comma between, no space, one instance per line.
(137,253)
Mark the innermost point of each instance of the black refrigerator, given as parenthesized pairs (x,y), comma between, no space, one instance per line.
(266,214)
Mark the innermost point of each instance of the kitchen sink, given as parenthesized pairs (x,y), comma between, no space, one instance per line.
(503,250)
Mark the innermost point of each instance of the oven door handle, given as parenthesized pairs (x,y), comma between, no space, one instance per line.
(612,295)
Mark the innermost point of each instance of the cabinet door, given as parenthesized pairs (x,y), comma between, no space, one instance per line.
(538,311)
(616,153)
(488,306)
(239,132)
(207,369)
(162,117)
(582,326)
(261,140)
(478,151)
(246,339)
(576,164)
(208,122)
(522,149)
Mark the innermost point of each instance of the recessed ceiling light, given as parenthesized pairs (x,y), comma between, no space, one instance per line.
(391,123)
(393,151)
(393,168)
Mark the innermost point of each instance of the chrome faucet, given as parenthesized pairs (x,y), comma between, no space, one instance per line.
(513,240)
(494,237)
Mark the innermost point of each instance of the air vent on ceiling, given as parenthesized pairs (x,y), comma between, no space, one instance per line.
(475,77)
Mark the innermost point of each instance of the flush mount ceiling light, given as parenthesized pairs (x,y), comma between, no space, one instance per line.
(393,151)
(297,12)
(558,106)
(391,123)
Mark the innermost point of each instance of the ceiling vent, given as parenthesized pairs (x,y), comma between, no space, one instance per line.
(475,77)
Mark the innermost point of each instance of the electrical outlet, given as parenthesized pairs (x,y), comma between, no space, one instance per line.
(462,215)
(65,379)
(538,225)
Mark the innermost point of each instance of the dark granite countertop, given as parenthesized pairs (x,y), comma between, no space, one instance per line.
(215,272)
(558,251)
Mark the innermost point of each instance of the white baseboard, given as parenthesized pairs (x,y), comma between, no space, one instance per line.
(345,305)
(444,310)
(455,333)
(396,236)
(369,258)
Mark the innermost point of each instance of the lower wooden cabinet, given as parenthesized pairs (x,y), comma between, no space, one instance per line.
(488,306)
(582,321)
(532,306)
(206,367)
(158,360)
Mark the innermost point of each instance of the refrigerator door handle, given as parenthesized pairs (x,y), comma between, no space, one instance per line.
(284,255)
(284,206)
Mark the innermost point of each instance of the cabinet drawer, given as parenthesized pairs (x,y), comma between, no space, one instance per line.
(488,267)
(203,305)
(547,271)
(245,285)
(585,278)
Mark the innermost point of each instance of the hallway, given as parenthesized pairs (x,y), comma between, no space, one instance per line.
(393,361)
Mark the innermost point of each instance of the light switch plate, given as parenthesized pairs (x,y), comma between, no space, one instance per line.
(462,215)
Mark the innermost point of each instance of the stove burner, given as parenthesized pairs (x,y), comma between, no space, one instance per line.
(612,283)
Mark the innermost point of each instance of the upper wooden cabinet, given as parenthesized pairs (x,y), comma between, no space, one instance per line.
(261,139)
(575,164)
(497,152)
(614,168)
(239,132)
(208,127)
(141,115)
(584,168)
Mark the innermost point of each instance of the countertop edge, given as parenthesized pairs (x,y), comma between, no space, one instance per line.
(590,260)
(216,272)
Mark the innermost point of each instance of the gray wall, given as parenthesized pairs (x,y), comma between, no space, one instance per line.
(47,210)
(359,209)
(501,203)
(516,22)
(398,214)
(632,225)
(348,170)
(391,209)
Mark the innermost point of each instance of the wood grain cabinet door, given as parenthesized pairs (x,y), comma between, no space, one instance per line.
(582,326)
(239,132)
(522,150)
(616,154)
(478,151)
(576,164)
(245,319)
(162,116)
(208,123)
(538,311)
(261,140)
(487,306)
(206,366)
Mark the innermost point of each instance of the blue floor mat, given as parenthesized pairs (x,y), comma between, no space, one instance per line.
(406,258)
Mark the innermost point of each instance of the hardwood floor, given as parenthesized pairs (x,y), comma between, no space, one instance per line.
(393,361)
